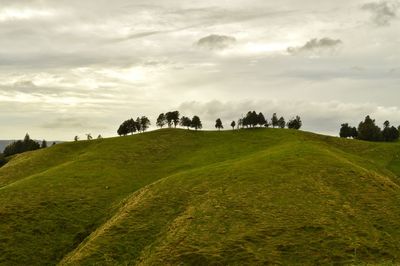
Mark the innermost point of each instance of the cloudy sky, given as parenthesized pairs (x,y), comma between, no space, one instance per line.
(72,67)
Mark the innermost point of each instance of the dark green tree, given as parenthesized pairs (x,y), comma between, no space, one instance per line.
(345,131)
(295,123)
(281,122)
(138,124)
(274,120)
(185,122)
(261,120)
(144,123)
(161,120)
(196,123)
(390,133)
(218,124)
(21,146)
(368,130)
(233,125)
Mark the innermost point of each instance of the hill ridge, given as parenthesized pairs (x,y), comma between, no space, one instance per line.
(203,198)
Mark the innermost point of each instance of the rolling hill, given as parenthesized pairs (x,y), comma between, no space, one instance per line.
(178,197)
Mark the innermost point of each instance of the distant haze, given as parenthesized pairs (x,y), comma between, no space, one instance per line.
(73,67)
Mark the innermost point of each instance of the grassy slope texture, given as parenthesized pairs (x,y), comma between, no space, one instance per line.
(178,197)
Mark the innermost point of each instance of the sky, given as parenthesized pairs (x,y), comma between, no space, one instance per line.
(73,67)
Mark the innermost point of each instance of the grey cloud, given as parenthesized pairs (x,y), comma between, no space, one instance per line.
(216,42)
(315,45)
(382,12)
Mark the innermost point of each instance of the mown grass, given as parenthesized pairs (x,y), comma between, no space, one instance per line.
(183,197)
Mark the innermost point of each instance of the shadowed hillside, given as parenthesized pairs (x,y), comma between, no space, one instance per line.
(176,196)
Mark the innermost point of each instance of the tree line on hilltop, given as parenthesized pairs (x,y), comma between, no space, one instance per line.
(174,119)
(369,131)
(20,146)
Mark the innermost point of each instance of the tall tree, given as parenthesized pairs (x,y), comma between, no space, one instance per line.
(261,120)
(169,118)
(295,123)
(390,133)
(281,122)
(233,125)
(76,138)
(218,124)
(368,130)
(138,124)
(274,120)
(144,123)
(196,123)
(185,122)
(161,120)
(175,118)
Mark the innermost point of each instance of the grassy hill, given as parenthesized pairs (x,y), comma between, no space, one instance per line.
(173,197)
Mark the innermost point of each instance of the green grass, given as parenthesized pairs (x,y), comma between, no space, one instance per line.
(203,198)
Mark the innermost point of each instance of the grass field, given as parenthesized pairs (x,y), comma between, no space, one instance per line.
(178,197)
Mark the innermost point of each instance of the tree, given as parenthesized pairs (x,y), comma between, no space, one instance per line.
(386,124)
(218,124)
(99,137)
(89,136)
(138,124)
(233,124)
(261,119)
(172,118)
(196,123)
(44,144)
(274,120)
(347,131)
(295,123)
(390,133)
(76,138)
(281,122)
(130,126)
(21,146)
(367,130)
(185,122)
(144,123)
(161,120)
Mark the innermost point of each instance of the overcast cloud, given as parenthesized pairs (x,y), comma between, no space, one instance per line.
(73,67)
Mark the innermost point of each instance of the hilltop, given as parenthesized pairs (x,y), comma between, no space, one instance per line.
(184,197)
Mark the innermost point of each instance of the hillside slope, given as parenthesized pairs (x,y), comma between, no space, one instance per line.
(184,197)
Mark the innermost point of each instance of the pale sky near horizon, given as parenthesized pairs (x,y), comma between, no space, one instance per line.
(72,67)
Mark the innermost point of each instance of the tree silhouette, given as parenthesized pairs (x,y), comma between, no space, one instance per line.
(21,146)
(295,123)
(274,120)
(76,138)
(89,136)
(161,120)
(144,123)
(185,122)
(281,122)
(233,124)
(261,120)
(218,124)
(367,130)
(196,123)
